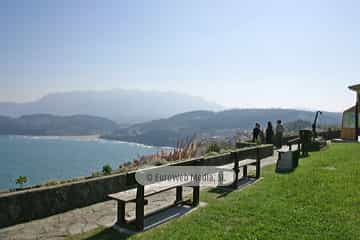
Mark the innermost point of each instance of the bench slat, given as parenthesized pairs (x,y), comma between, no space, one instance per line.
(246,162)
(242,163)
(130,195)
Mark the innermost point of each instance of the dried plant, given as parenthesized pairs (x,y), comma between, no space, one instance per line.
(185,149)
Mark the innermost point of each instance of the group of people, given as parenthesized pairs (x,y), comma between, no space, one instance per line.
(269,137)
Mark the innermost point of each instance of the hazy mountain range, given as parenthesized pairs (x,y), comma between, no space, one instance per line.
(168,131)
(45,124)
(148,117)
(123,106)
(162,132)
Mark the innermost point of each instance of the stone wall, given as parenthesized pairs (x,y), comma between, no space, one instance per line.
(27,205)
(327,135)
(23,206)
(330,134)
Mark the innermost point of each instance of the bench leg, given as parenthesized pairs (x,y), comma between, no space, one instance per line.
(196,196)
(121,212)
(258,165)
(258,168)
(179,194)
(221,178)
(245,171)
(236,170)
(140,208)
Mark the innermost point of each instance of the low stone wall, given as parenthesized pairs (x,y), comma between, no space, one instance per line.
(23,206)
(27,205)
(330,134)
(327,135)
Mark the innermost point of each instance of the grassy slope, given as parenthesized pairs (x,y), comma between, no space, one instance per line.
(320,200)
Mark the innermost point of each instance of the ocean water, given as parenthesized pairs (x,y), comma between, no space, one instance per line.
(56,158)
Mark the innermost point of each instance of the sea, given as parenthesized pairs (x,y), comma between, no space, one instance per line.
(43,159)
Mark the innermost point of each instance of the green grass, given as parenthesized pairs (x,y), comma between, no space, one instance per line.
(320,200)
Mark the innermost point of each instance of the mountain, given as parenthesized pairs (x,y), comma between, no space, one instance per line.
(298,125)
(166,132)
(46,124)
(123,106)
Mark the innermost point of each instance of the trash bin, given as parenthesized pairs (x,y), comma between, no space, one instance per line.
(288,160)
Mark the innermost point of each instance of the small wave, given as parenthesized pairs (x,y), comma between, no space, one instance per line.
(129,143)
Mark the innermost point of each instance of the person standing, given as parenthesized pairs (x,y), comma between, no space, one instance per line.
(261,138)
(279,132)
(269,135)
(256,132)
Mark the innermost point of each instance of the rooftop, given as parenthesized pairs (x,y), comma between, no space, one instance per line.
(355,87)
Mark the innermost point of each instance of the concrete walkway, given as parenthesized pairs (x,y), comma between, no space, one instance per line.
(82,220)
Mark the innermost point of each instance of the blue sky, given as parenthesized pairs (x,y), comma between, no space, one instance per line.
(300,54)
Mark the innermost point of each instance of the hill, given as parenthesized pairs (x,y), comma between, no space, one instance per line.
(46,124)
(123,106)
(166,132)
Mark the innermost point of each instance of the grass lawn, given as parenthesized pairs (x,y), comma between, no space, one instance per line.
(320,200)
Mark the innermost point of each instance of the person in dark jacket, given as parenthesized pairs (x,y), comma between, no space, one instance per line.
(279,132)
(256,132)
(269,133)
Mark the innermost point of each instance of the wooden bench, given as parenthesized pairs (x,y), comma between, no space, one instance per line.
(242,159)
(244,163)
(138,195)
(295,141)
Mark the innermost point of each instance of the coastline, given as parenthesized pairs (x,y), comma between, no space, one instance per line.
(80,137)
(136,151)
(94,137)
(68,137)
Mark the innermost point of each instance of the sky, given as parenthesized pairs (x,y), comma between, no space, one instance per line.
(240,54)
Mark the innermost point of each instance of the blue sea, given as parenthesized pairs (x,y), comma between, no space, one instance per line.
(56,158)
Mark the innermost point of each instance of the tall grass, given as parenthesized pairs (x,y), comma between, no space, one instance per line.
(185,149)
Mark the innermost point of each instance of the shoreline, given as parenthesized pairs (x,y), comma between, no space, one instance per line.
(94,137)
(80,138)
(69,137)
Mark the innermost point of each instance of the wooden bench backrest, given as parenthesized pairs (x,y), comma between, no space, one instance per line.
(258,152)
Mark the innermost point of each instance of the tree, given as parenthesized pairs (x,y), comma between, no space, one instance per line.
(107,169)
(21,180)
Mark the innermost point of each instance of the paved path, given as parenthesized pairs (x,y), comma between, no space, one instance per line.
(60,226)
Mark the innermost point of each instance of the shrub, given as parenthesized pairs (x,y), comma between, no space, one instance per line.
(245,144)
(107,169)
(211,154)
(136,162)
(126,164)
(124,169)
(21,180)
(228,150)
(213,147)
(51,183)
(160,162)
(96,174)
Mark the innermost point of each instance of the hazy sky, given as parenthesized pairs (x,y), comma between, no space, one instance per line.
(266,53)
